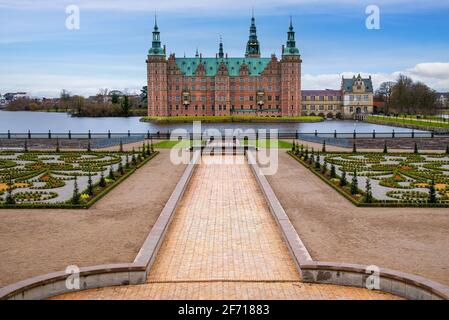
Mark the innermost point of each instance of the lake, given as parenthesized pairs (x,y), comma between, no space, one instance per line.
(41,122)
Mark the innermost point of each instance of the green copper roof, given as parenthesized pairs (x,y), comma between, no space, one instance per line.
(255,65)
(349,83)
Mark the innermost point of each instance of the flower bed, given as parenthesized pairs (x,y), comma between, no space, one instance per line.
(65,179)
(382,179)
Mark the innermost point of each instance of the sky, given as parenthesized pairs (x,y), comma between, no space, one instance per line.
(40,55)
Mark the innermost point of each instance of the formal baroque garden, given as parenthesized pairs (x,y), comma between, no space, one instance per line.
(381,178)
(65,179)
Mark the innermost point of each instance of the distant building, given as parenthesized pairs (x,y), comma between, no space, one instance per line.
(12,96)
(442,99)
(358,96)
(221,85)
(354,99)
(2,101)
(326,103)
(247,85)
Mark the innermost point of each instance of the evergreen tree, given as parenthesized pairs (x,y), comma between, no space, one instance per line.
(90,186)
(317,162)
(324,168)
(301,152)
(88,147)
(415,150)
(25,147)
(121,146)
(120,167)
(293,146)
(333,172)
(447,149)
(354,184)
(306,156)
(9,198)
(111,173)
(57,145)
(133,159)
(368,191)
(324,145)
(127,162)
(385,147)
(102,182)
(143,151)
(76,195)
(343,180)
(354,148)
(432,193)
(148,149)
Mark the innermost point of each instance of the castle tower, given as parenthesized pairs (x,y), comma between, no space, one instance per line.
(220,50)
(252,47)
(157,76)
(291,76)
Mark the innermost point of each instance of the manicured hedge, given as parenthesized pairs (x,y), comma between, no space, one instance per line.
(376,203)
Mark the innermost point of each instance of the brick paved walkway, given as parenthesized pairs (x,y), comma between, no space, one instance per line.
(223,243)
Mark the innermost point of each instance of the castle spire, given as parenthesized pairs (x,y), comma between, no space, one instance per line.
(253,47)
(291,42)
(156,48)
(220,49)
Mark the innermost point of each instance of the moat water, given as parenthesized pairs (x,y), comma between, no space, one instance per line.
(41,122)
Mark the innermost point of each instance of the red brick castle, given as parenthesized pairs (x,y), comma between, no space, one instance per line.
(223,85)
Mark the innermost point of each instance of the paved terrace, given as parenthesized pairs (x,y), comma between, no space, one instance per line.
(223,243)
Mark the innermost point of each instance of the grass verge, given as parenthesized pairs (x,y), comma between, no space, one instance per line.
(227,119)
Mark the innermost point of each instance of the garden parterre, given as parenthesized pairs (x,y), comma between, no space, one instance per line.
(384,179)
(72,179)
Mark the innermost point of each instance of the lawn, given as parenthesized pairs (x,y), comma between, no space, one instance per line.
(168,144)
(410,121)
(382,179)
(225,119)
(62,179)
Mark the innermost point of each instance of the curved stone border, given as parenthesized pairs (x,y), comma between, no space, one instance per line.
(52,284)
(395,282)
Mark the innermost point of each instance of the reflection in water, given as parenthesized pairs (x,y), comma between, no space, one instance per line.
(41,122)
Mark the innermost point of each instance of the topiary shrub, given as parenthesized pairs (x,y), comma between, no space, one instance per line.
(76,195)
(432,192)
(102,182)
(90,186)
(343,180)
(354,183)
(333,172)
(368,192)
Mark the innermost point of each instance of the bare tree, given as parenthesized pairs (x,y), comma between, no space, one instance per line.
(102,95)
(384,92)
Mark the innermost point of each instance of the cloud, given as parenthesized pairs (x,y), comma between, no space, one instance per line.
(432,70)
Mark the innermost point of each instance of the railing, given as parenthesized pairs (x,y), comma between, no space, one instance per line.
(136,136)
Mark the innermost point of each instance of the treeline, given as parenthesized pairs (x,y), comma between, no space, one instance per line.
(101,105)
(408,97)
